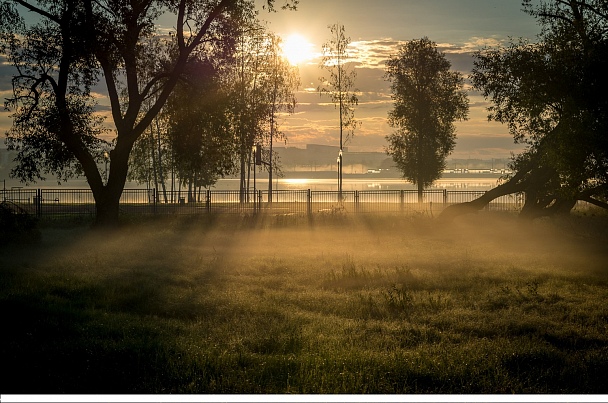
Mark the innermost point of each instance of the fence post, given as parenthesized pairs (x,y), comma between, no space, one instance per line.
(155,196)
(309,203)
(208,200)
(445,197)
(356,200)
(38,200)
(259,200)
(402,199)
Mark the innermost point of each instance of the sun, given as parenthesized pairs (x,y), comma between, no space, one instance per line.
(296,49)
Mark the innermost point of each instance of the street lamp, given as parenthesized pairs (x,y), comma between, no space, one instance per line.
(257,160)
(106,156)
(338,160)
(340,174)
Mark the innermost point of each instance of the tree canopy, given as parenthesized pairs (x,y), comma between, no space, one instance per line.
(72,46)
(552,96)
(428,98)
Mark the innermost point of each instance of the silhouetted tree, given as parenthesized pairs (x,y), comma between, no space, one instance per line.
(250,96)
(199,129)
(339,86)
(552,97)
(284,80)
(428,99)
(70,46)
(262,85)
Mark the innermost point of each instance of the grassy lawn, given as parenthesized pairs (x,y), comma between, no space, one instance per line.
(364,304)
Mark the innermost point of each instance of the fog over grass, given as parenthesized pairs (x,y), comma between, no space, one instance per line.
(280,304)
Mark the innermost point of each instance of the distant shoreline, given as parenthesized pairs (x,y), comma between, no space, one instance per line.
(261,177)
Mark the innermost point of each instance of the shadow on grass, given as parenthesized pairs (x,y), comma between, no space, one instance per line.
(118,336)
(160,312)
(111,332)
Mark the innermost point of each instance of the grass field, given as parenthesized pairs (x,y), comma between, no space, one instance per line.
(363,304)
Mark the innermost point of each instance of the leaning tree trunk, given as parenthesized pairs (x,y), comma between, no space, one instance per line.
(595,202)
(538,204)
(514,185)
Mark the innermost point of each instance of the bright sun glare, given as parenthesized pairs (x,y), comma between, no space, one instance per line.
(297,49)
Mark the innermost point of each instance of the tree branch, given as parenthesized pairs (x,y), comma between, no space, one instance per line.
(595,202)
(173,76)
(38,10)
(210,18)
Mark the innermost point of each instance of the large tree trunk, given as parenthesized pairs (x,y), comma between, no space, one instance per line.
(514,185)
(595,202)
(545,207)
(538,204)
(107,209)
(107,197)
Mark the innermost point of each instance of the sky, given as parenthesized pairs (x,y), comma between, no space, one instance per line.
(376,29)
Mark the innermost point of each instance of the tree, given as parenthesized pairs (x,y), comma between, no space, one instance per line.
(339,87)
(284,80)
(428,99)
(551,95)
(199,130)
(263,85)
(148,161)
(250,96)
(72,46)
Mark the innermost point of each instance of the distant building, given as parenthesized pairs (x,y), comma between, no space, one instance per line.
(317,157)
(324,148)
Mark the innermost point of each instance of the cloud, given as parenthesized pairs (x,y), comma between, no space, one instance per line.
(317,117)
(369,57)
(316,121)
(373,54)
(477,43)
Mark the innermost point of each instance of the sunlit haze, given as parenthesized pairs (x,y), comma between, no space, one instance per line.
(376,30)
(297,49)
(186,215)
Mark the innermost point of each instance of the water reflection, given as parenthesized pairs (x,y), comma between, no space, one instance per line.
(362,182)
(454,183)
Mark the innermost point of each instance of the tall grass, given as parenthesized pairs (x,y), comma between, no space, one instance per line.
(362,304)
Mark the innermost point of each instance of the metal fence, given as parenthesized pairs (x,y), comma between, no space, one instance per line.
(58,203)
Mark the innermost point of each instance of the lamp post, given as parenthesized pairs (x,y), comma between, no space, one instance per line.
(106,156)
(340,174)
(255,150)
(338,160)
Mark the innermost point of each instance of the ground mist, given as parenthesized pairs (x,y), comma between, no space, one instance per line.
(284,304)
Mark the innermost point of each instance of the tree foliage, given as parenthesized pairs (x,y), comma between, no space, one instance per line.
(552,96)
(284,81)
(262,84)
(200,132)
(428,98)
(71,46)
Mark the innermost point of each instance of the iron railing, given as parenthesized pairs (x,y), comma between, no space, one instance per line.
(53,203)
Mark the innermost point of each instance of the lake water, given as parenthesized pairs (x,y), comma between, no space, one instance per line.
(371,183)
(361,182)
